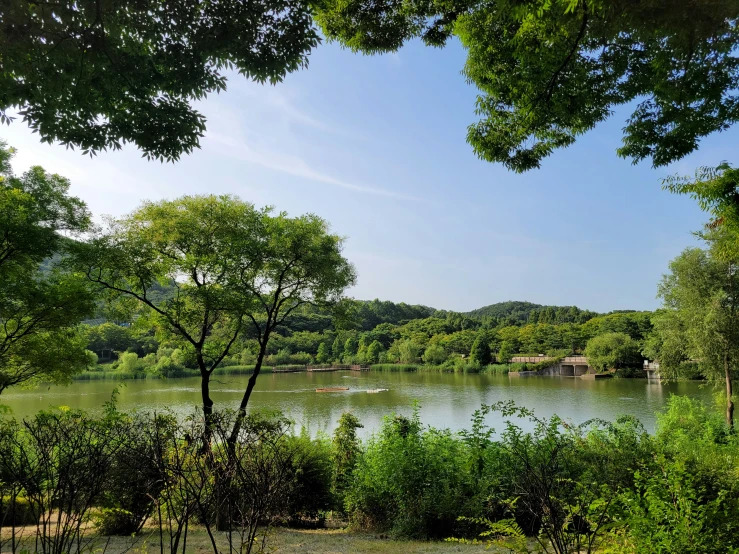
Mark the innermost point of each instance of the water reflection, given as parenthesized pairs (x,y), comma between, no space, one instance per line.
(444,400)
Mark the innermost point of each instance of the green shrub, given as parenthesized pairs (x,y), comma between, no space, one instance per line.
(346,450)
(16,512)
(394,367)
(130,362)
(497,369)
(671,510)
(409,482)
(686,499)
(435,354)
(311,494)
(134,478)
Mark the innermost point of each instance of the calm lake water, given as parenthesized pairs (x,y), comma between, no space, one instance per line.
(446,400)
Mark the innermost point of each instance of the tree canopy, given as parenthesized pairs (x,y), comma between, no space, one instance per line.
(237,272)
(199,245)
(95,74)
(40,304)
(716,189)
(612,351)
(701,318)
(548,71)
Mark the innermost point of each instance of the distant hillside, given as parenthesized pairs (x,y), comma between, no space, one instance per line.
(517,313)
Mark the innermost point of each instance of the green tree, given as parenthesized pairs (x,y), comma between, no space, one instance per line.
(136,67)
(107,338)
(506,352)
(235,269)
(350,346)
(299,263)
(323,354)
(435,354)
(204,246)
(40,304)
(717,192)
(550,71)
(373,352)
(701,318)
(337,349)
(408,351)
(612,351)
(480,353)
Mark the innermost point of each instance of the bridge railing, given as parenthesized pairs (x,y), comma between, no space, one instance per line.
(577,360)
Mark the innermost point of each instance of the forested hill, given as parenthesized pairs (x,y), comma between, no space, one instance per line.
(518,313)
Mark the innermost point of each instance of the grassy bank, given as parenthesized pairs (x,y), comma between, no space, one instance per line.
(105,374)
(492,369)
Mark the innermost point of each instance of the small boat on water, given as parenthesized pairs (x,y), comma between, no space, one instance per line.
(373,391)
(332,389)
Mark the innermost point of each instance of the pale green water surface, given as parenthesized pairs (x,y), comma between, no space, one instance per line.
(446,400)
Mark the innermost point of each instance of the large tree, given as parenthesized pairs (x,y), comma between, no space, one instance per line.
(95,74)
(612,351)
(548,71)
(236,272)
(716,189)
(700,321)
(300,264)
(201,246)
(40,305)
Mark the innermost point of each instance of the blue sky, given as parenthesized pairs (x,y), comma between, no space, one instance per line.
(376,145)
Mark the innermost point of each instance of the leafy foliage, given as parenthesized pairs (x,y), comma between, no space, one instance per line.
(39,306)
(717,191)
(612,351)
(700,321)
(550,71)
(107,72)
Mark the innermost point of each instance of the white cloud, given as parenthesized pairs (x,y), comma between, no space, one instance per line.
(277,160)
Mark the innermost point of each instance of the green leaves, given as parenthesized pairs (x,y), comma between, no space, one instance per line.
(95,74)
(39,303)
(612,351)
(549,71)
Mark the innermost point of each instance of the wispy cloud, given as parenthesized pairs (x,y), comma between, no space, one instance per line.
(283,104)
(279,161)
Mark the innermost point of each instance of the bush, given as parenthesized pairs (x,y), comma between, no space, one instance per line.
(311,465)
(435,354)
(16,512)
(613,351)
(409,481)
(344,455)
(134,479)
(394,367)
(130,362)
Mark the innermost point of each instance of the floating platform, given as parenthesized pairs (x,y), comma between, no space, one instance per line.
(332,389)
(594,376)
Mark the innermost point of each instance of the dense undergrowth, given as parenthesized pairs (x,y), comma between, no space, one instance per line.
(536,483)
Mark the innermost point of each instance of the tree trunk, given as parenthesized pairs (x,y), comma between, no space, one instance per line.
(207,401)
(241,414)
(729,391)
(223,518)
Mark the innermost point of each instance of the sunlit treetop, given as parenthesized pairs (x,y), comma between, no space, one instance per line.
(550,70)
(94,74)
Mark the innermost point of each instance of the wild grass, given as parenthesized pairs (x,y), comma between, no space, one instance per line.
(398,368)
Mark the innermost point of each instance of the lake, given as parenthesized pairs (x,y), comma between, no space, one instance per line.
(445,400)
